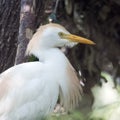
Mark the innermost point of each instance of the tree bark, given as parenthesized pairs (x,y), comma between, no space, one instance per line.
(14,38)
(27,20)
(9,24)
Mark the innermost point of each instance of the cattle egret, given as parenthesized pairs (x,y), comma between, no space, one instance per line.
(106,104)
(29,91)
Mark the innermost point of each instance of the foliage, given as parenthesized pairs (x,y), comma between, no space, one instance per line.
(75,115)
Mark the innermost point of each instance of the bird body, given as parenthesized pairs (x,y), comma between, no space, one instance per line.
(106,104)
(29,91)
(105,94)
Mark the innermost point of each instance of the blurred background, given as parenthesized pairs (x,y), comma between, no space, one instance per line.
(98,66)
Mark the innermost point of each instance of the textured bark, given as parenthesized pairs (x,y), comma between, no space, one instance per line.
(9,24)
(12,35)
(26,28)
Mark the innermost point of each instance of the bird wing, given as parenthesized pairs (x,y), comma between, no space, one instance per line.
(15,76)
(24,91)
(71,96)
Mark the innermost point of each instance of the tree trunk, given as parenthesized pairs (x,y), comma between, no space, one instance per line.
(27,20)
(9,24)
(12,35)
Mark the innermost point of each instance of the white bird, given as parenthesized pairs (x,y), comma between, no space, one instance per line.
(106,104)
(29,91)
(106,93)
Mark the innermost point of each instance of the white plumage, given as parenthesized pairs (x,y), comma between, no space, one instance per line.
(105,94)
(106,104)
(29,91)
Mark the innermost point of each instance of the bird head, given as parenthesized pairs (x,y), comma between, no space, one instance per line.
(52,36)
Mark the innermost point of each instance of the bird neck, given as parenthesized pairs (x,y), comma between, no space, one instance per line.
(49,54)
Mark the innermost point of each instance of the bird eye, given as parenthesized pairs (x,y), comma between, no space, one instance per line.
(60,34)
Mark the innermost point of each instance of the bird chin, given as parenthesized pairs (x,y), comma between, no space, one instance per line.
(65,48)
(71,44)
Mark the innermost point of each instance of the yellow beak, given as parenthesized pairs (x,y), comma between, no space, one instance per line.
(75,38)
